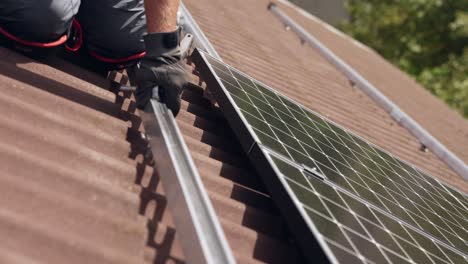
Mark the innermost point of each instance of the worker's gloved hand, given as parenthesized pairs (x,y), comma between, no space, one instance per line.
(161,74)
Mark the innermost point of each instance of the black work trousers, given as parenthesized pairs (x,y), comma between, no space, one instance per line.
(111,28)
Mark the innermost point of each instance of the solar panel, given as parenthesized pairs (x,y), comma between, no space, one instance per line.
(342,196)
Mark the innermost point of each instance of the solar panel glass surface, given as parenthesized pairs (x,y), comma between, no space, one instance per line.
(366,205)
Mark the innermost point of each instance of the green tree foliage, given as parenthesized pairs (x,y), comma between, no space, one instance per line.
(426,38)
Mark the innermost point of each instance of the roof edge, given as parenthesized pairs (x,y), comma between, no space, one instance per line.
(190,26)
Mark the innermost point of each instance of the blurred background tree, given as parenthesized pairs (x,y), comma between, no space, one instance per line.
(428,39)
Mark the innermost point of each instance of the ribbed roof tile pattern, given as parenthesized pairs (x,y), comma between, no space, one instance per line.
(74,185)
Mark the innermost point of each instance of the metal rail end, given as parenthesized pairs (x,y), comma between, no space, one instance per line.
(271,5)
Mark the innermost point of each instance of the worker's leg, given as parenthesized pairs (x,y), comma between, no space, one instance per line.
(36,21)
(113,29)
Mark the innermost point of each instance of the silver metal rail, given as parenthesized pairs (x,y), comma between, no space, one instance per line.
(200,233)
(395,112)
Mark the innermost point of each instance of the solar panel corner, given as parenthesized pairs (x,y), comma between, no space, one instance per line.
(219,93)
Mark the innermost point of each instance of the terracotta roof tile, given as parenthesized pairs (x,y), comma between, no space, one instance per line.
(93,195)
(69,159)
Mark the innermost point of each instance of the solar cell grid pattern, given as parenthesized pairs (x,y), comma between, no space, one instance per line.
(371,207)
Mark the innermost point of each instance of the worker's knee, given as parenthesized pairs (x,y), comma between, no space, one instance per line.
(37,20)
(113,28)
(117,45)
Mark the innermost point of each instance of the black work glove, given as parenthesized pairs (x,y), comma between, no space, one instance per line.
(161,74)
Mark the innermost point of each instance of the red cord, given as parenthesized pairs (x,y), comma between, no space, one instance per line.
(56,43)
(75,47)
(119,60)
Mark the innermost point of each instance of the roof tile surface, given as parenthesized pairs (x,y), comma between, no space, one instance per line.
(70,156)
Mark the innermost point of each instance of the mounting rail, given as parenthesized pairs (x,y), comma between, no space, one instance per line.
(201,235)
(378,97)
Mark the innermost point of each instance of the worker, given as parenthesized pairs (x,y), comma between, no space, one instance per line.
(120,32)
